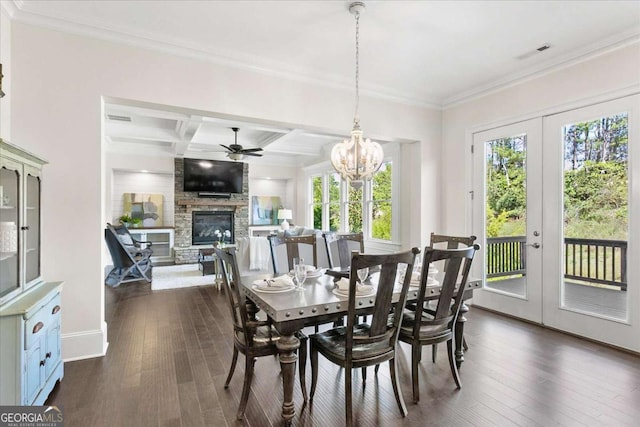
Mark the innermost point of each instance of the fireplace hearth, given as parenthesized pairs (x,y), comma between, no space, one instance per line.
(212,226)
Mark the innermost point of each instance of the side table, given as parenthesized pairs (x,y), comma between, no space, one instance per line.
(208,264)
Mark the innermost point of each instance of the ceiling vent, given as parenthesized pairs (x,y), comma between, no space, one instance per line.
(118,118)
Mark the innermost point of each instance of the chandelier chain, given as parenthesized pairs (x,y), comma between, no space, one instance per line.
(356,118)
(357,159)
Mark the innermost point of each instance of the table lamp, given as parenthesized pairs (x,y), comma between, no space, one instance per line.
(284,215)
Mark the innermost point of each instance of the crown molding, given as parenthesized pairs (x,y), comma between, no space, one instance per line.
(161,43)
(9,7)
(602,47)
(18,11)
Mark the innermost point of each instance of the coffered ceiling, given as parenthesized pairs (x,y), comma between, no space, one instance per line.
(429,53)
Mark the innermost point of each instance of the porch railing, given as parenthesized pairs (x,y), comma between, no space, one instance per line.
(588,260)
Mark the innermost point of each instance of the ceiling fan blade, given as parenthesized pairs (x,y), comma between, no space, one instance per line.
(252,154)
(251,150)
(228,148)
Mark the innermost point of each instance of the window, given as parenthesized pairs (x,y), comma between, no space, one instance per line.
(354,209)
(381,213)
(334,202)
(337,206)
(316,201)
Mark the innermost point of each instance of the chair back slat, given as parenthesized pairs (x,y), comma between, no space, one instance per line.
(437,241)
(453,242)
(380,330)
(292,248)
(344,245)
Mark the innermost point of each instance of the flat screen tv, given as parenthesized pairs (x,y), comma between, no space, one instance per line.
(213,176)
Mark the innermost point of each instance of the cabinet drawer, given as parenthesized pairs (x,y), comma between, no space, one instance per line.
(45,317)
(54,308)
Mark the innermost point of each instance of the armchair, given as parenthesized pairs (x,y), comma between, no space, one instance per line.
(129,265)
(135,247)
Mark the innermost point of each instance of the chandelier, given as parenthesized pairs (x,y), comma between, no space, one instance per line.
(356,159)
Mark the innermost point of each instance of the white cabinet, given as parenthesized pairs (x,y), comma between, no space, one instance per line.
(162,241)
(30,356)
(20,187)
(263,230)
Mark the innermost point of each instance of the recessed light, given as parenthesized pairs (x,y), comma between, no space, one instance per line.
(144,171)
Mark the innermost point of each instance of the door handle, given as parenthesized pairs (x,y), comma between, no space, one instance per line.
(534,245)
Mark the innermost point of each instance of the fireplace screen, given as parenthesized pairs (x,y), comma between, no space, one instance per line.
(209,227)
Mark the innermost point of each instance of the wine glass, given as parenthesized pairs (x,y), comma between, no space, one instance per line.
(363,273)
(300,271)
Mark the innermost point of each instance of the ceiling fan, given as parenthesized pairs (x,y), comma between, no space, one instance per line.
(236,152)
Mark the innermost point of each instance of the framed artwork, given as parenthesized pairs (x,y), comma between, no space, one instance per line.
(148,207)
(264,210)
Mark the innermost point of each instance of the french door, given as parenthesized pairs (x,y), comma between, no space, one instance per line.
(508,218)
(554,202)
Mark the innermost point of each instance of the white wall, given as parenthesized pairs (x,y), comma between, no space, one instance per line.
(58,82)
(603,77)
(5,60)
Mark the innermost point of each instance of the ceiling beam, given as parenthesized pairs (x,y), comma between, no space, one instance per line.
(186,131)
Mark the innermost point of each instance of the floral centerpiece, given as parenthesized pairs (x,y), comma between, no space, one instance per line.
(222,236)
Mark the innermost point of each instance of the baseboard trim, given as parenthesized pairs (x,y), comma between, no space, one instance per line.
(84,345)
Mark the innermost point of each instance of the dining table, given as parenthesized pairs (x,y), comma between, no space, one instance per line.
(319,302)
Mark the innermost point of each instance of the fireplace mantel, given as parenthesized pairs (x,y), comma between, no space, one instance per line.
(214,202)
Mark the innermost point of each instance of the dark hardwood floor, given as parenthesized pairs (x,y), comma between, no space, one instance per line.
(169,352)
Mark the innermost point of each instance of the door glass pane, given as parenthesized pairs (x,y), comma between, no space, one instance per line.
(596,217)
(506,204)
(9,226)
(32,237)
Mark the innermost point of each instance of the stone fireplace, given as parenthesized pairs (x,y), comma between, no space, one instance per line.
(234,209)
(208,227)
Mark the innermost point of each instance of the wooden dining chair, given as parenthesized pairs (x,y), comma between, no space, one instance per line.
(358,345)
(251,337)
(292,246)
(342,246)
(442,241)
(424,326)
(452,242)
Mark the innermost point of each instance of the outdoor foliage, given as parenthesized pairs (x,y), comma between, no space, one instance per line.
(355,209)
(595,192)
(381,221)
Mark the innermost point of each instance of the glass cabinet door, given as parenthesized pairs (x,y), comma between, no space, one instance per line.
(9,226)
(32,228)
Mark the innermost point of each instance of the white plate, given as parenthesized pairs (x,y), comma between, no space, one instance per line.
(430,282)
(261,286)
(315,273)
(340,293)
(269,290)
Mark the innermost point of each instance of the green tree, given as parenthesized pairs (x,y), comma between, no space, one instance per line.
(381,221)
(317,202)
(355,209)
